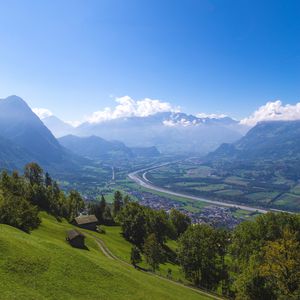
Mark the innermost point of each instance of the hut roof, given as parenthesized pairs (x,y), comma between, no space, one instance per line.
(86,219)
(72,234)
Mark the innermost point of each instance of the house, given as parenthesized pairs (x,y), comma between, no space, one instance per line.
(75,238)
(87,222)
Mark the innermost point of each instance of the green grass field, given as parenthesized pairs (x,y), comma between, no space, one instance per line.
(240,185)
(121,248)
(42,265)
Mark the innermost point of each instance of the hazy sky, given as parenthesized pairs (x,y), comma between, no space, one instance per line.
(75,57)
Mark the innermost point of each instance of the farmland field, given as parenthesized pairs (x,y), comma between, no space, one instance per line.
(256,186)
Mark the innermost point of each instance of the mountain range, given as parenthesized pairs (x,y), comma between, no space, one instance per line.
(25,138)
(169,132)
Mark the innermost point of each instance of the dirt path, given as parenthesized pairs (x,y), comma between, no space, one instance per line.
(110,255)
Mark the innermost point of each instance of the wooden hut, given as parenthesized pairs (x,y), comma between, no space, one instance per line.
(75,238)
(87,222)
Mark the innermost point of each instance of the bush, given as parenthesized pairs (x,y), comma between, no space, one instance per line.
(100,229)
(18,212)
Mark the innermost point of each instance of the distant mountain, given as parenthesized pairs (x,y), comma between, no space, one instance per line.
(24,138)
(20,125)
(58,127)
(145,151)
(271,140)
(94,147)
(169,132)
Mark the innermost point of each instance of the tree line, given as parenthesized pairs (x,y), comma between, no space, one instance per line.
(259,259)
(23,196)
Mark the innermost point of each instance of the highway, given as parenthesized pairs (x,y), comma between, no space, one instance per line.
(144,182)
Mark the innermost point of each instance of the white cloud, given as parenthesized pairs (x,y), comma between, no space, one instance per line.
(273,111)
(127,107)
(210,116)
(42,113)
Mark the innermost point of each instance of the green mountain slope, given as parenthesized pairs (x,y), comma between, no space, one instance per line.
(12,156)
(267,140)
(95,147)
(42,265)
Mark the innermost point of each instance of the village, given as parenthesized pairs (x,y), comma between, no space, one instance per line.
(217,216)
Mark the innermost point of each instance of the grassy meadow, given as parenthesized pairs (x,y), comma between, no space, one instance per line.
(42,265)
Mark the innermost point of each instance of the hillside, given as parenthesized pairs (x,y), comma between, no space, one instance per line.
(263,167)
(267,140)
(20,125)
(42,265)
(24,138)
(12,156)
(94,147)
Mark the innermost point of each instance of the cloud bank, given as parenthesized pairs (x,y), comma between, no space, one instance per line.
(42,113)
(273,111)
(127,107)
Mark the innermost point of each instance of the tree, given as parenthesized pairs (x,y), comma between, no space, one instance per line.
(23,196)
(251,236)
(133,223)
(118,202)
(281,265)
(18,212)
(153,252)
(107,217)
(34,173)
(48,180)
(158,224)
(135,256)
(179,221)
(102,203)
(37,195)
(127,199)
(251,285)
(198,255)
(98,209)
(13,185)
(264,243)
(75,204)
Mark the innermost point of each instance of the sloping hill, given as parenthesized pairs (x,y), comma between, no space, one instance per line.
(12,156)
(95,147)
(24,138)
(267,140)
(42,265)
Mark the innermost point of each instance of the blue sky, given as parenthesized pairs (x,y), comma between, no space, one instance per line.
(74,57)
